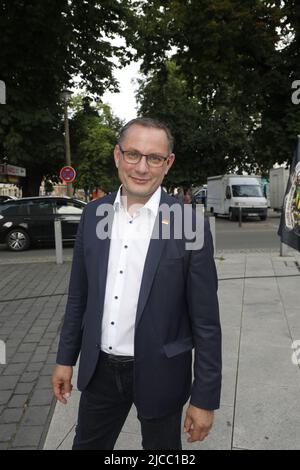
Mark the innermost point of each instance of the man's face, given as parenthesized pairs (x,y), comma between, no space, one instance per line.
(140,180)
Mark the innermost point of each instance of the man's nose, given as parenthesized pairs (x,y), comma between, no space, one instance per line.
(142,166)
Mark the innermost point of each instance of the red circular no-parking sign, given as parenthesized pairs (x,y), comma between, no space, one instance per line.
(67,174)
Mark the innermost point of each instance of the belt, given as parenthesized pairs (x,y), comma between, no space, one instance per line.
(114,359)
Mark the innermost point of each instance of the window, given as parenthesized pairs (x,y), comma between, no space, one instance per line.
(66,207)
(14,208)
(40,207)
(247,190)
(228,192)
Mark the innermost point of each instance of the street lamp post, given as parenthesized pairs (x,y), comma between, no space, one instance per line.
(66,95)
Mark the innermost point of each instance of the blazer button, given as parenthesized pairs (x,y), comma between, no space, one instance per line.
(98,346)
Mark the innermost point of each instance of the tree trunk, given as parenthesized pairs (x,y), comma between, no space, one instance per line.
(31,183)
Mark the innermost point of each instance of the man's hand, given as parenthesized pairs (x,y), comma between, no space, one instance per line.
(198,423)
(61,382)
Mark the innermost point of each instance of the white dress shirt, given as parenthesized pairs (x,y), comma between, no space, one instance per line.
(129,245)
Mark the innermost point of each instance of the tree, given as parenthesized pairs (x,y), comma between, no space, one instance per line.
(276,139)
(228,52)
(210,137)
(95,130)
(45,47)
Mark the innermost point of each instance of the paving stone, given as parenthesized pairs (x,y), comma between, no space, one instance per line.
(45,342)
(44,382)
(50,335)
(8,382)
(21,357)
(43,322)
(7,431)
(18,401)
(34,366)
(33,338)
(29,377)
(5,397)
(11,415)
(27,347)
(18,334)
(28,436)
(36,415)
(39,357)
(14,369)
(42,397)
(24,388)
(14,342)
(37,330)
(47,370)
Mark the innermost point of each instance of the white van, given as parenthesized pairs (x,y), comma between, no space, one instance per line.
(227,193)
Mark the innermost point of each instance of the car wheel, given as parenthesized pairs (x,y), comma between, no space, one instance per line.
(17,240)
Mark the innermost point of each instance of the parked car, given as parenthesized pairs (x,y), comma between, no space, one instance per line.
(6,198)
(199,196)
(28,221)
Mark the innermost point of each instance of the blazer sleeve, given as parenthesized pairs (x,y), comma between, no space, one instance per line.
(71,333)
(202,285)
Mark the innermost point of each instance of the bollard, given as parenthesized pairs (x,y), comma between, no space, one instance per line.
(240,216)
(58,242)
(283,249)
(212,224)
(2,92)
(2,352)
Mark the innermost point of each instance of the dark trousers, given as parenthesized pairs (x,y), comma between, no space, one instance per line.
(104,407)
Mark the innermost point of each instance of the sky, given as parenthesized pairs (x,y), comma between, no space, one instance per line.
(123,104)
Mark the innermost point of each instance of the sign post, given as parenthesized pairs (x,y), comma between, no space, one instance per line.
(58,242)
(68,174)
(2,92)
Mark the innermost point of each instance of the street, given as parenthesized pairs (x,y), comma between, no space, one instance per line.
(254,235)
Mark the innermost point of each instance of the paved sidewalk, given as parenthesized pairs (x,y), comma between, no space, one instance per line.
(32,305)
(259,298)
(260,316)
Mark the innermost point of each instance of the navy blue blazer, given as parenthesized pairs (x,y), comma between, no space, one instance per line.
(177,310)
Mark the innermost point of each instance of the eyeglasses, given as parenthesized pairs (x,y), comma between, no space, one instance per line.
(134,157)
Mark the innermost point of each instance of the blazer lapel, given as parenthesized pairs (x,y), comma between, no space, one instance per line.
(154,253)
(102,255)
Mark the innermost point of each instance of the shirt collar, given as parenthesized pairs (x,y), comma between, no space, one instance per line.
(152,204)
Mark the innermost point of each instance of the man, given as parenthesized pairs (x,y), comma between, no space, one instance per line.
(137,306)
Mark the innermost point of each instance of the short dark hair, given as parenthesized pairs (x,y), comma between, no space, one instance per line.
(148,122)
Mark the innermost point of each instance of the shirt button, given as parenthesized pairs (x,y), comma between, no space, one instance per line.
(126,246)
(121,272)
(110,347)
(116,296)
(112,322)
(130,221)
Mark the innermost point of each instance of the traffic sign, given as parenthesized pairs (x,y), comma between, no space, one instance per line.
(67,174)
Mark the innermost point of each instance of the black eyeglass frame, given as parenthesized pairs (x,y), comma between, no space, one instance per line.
(141,155)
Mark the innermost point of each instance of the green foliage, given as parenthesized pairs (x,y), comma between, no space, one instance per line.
(210,137)
(94,132)
(236,59)
(44,46)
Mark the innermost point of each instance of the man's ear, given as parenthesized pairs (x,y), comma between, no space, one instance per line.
(170,162)
(116,155)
